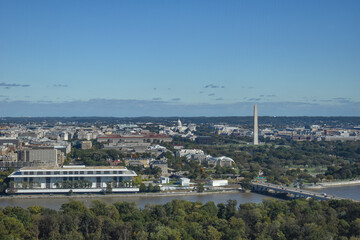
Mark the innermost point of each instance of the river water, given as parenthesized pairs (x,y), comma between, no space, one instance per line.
(347,191)
(56,202)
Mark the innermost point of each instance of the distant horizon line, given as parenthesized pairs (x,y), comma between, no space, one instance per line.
(309,116)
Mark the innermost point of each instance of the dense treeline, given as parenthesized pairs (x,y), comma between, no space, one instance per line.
(311,153)
(97,156)
(344,172)
(93,157)
(179,219)
(100,157)
(4,181)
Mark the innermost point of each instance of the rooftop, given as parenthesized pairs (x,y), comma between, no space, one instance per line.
(73,167)
(147,135)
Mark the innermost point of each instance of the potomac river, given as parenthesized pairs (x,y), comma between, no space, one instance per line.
(55,202)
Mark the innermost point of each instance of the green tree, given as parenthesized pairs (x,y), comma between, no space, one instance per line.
(213,233)
(355,228)
(150,188)
(108,188)
(142,187)
(11,228)
(200,188)
(100,208)
(137,180)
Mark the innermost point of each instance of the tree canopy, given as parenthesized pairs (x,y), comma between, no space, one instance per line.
(179,219)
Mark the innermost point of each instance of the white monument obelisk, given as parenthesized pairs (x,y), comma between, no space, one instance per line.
(256,130)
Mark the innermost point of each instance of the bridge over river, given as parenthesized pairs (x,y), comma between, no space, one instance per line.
(273,189)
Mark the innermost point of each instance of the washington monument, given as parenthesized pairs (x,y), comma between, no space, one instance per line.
(256,134)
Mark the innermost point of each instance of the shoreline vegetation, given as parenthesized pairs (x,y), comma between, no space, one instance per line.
(181,219)
(125,195)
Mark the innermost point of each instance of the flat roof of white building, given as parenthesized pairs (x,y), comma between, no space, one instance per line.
(82,167)
(76,171)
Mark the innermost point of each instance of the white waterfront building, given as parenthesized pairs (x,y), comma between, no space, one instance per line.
(76,178)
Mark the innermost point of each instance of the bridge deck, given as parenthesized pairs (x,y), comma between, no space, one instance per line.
(298,193)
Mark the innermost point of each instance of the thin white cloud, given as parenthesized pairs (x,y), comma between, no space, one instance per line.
(60,85)
(10,85)
(213,86)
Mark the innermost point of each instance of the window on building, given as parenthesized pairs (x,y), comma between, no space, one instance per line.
(90,172)
(98,172)
(48,173)
(82,172)
(40,173)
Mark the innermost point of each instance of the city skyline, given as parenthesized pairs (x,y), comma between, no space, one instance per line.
(203,58)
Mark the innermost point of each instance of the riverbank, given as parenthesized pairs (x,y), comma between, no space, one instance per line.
(141,200)
(122,195)
(332,184)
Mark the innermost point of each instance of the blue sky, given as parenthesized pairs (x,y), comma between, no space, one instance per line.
(179,58)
